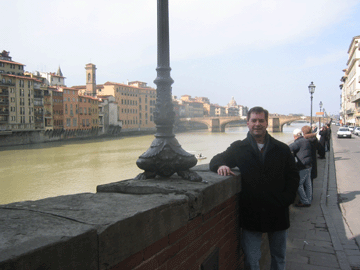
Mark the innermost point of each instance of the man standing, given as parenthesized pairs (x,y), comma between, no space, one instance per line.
(269,180)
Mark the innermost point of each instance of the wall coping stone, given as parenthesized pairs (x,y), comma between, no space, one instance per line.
(203,196)
(104,228)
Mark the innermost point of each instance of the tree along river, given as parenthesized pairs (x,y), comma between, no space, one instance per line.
(37,171)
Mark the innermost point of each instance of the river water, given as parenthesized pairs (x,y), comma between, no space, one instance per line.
(37,171)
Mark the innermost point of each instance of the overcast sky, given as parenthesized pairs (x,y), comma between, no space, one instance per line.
(261,52)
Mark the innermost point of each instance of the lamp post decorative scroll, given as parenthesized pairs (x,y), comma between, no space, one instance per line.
(165,155)
(311,91)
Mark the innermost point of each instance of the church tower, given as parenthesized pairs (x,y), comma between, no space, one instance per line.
(90,79)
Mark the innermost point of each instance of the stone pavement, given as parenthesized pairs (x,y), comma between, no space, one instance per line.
(319,239)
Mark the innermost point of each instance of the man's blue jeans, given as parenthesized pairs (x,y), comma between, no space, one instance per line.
(251,242)
(305,187)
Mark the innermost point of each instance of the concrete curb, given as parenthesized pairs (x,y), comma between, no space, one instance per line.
(326,192)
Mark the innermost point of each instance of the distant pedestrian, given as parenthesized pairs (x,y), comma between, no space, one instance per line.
(314,128)
(323,135)
(328,137)
(301,149)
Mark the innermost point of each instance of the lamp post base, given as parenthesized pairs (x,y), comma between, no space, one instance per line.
(166,157)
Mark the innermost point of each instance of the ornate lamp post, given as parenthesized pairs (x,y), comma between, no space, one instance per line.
(311,91)
(165,155)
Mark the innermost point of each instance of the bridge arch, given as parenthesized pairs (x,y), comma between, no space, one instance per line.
(231,121)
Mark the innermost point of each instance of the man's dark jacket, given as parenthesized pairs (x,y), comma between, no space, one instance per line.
(269,182)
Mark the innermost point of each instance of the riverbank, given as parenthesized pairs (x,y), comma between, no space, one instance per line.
(39,137)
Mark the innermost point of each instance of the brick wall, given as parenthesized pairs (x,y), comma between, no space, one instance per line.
(189,246)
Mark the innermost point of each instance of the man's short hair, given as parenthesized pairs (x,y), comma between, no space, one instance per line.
(258,110)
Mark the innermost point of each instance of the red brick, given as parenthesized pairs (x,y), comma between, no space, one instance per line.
(191,260)
(167,253)
(156,247)
(196,222)
(150,264)
(178,234)
(211,223)
(190,237)
(204,249)
(163,267)
(209,234)
(177,260)
(195,245)
(130,262)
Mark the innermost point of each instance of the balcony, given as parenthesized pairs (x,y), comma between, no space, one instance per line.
(350,111)
(5,112)
(4,120)
(4,93)
(7,83)
(355,98)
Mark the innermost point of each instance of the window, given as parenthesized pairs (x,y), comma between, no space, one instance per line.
(74,122)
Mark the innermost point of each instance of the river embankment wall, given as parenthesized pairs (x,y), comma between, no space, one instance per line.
(35,137)
(132,224)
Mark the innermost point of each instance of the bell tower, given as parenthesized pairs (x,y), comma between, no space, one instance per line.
(90,79)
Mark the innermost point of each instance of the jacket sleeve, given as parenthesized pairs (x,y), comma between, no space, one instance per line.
(225,158)
(294,147)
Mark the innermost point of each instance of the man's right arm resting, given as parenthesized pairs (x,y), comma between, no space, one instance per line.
(224,170)
(221,163)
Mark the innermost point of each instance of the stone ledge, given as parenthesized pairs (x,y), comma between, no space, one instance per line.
(203,196)
(97,231)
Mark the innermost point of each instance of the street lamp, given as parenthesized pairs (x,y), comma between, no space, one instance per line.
(311,91)
(320,105)
(165,155)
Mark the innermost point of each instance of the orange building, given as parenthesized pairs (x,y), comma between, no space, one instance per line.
(70,107)
(85,115)
(58,112)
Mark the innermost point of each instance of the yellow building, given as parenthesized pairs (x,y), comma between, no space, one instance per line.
(16,96)
(136,103)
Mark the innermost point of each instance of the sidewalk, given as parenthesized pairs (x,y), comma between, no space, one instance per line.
(318,236)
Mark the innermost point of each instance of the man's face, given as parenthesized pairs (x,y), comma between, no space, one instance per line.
(257,125)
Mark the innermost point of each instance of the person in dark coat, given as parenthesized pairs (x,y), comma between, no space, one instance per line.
(328,137)
(269,180)
(314,142)
(301,148)
(323,135)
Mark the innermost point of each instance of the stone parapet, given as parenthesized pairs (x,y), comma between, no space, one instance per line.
(130,223)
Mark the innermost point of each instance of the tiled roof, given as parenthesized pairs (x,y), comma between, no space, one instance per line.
(11,62)
(20,77)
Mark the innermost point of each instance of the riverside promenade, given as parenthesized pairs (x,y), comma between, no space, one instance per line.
(319,238)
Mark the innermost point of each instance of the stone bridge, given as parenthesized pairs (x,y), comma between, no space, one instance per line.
(276,123)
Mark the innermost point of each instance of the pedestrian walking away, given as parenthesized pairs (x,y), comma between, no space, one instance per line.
(269,181)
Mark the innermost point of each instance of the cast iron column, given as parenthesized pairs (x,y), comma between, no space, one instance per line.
(165,155)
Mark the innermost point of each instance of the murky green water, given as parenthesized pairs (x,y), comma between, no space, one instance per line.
(38,171)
